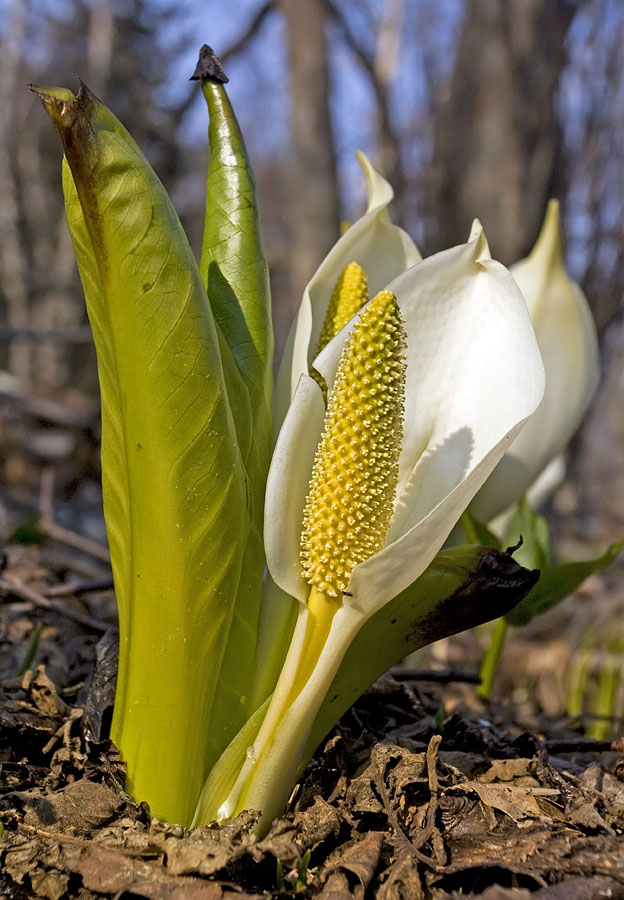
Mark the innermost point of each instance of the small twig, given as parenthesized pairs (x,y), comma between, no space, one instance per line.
(72,336)
(85,568)
(432,775)
(14,585)
(437,844)
(46,494)
(58,532)
(441,676)
(78,587)
(250,31)
(71,539)
(581,745)
(12,390)
(412,845)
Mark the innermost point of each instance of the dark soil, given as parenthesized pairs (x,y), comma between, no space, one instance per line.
(420,792)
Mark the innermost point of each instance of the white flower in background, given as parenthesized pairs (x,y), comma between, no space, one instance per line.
(566,335)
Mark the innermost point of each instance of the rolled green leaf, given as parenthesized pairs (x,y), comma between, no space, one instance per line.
(175,492)
(235,273)
(531,530)
(233,264)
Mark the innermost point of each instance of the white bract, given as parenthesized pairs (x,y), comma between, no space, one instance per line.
(474,376)
(567,340)
(381,248)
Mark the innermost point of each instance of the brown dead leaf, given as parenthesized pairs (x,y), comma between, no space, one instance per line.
(336,888)
(597,780)
(111,871)
(280,843)
(358,861)
(203,851)
(508,770)
(41,693)
(539,850)
(49,884)
(582,889)
(19,717)
(402,881)
(80,807)
(517,802)
(469,764)
(317,822)
(19,856)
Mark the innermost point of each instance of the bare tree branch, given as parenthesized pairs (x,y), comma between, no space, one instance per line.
(389,154)
(250,31)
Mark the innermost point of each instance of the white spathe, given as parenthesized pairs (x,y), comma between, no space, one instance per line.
(566,335)
(381,248)
(474,376)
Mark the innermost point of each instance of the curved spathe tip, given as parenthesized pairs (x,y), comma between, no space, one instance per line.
(380,191)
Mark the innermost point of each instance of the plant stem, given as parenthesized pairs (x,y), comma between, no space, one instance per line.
(489,666)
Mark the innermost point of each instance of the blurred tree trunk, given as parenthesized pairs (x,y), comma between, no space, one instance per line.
(498,139)
(313,209)
(56,309)
(380,61)
(599,172)
(598,461)
(15,290)
(384,70)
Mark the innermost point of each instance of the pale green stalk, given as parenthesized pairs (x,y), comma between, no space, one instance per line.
(491,659)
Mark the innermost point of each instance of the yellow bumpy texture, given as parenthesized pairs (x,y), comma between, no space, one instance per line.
(353,486)
(348,297)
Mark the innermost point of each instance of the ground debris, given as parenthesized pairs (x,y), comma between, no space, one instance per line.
(443,806)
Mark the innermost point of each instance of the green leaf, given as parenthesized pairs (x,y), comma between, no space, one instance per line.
(557,582)
(233,264)
(275,628)
(533,529)
(235,272)
(477,532)
(176,498)
(31,652)
(223,775)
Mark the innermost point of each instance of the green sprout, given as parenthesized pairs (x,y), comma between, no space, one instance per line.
(271,560)
(558,579)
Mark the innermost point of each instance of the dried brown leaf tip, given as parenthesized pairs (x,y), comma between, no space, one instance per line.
(209,66)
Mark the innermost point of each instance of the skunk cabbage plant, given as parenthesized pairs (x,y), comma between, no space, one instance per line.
(567,339)
(403,384)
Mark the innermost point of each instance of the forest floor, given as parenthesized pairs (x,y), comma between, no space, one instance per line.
(422,790)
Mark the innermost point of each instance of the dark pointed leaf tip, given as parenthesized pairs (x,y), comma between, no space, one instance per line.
(209,66)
